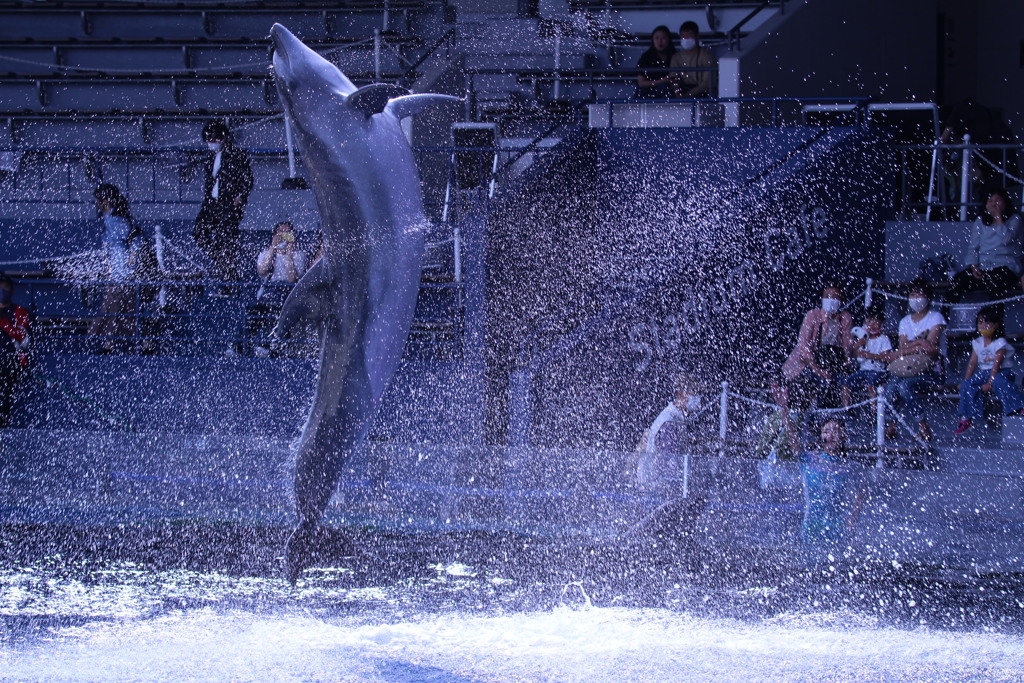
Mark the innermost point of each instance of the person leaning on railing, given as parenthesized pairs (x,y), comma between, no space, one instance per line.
(692,54)
(653,79)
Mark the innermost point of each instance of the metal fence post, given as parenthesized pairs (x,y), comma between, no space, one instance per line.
(376,53)
(723,417)
(965,177)
(880,423)
(932,180)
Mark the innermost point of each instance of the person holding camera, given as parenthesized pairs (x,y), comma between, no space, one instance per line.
(281,263)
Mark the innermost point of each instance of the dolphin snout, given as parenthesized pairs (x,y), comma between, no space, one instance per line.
(283,40)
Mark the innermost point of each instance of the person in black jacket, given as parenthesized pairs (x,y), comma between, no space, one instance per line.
(228,181)
(653,78)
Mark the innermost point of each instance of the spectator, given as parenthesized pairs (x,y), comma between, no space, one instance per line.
(671,435)
(993,355)
(917,361)
(872,353)
(833,490)
(692,54)
(14,324)
(281,262)
(129,256)
(993,255)
(821,352)
(227,183)
(654,79)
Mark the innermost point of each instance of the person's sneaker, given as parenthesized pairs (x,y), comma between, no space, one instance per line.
(231,352)
(962,427)
(261,352)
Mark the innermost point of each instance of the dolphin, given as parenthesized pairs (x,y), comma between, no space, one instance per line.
(367,190)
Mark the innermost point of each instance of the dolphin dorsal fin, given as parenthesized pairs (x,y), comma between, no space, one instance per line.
(371,99)
(407,105)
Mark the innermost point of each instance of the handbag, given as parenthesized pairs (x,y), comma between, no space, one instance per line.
(911,366)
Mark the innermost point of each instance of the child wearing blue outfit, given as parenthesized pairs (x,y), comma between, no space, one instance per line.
(992,354)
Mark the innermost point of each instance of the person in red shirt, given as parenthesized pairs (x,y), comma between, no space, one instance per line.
(14,324)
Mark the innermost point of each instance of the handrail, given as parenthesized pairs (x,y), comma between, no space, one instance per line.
(734,33)
(427,54)
(961,195)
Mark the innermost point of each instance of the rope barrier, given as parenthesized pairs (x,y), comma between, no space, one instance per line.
(69,257)
(1001,170)
(775,406)
(943,304)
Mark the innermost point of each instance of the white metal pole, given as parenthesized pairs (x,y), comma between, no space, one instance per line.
(868,293)
(290,144)
(880,422)
(558,65)
(457,237)
(158,240)
(965,177)
(376,53)
(723,417)
(931,181)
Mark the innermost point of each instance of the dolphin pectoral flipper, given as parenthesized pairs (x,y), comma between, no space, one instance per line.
(305,299)
(371,99)
(407,105)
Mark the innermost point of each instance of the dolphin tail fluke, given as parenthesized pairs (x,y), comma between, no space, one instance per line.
(407,105)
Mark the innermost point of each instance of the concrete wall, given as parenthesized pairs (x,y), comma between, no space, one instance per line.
(838,48)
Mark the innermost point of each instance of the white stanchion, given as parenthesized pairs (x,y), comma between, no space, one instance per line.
(880,422)
(965,178)
(723,417)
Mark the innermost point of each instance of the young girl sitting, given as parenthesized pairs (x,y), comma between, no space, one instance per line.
(993,355)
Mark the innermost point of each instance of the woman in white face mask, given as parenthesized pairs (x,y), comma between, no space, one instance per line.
(823,348)
(916,364)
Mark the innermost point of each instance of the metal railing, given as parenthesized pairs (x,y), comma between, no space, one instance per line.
(944,180)
(189,316)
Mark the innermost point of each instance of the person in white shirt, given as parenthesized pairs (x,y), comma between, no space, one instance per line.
(921,334)
(282,263)
(671,436)
(872,353)
(990,369)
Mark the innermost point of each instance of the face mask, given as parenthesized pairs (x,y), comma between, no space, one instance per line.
(692,403)
(213,146)
(918,304)
(687,43)
(830,305)
(5,297)
(987,334)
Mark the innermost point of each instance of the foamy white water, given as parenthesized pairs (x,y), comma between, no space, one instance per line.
(564,644)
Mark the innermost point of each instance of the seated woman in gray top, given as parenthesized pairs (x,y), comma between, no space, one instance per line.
(993,255)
